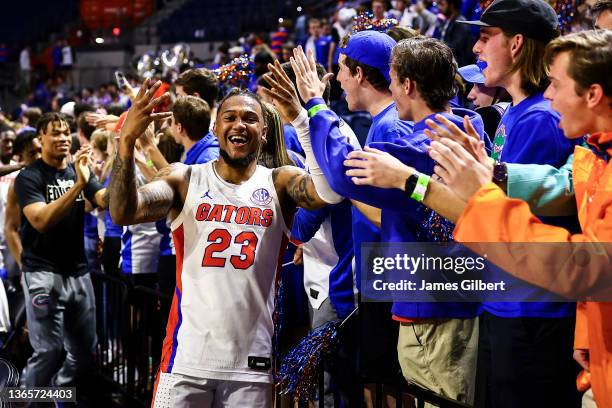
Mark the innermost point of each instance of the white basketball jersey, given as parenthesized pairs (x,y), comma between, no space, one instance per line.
(228,239)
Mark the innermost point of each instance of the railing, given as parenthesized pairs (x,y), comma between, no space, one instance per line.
(130,334)
(131,322)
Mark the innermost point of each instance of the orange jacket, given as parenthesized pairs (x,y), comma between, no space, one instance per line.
(490,216)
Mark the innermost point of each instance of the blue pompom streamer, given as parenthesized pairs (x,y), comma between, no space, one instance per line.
(299,371)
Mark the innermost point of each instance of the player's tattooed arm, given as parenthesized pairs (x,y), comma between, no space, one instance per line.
(151,202)
(295,186)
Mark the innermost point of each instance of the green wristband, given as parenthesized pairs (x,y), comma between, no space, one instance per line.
(150,163)
(315,109)
(421,188)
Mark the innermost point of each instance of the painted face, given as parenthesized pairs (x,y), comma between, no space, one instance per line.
(56,140)
(494,48)
(398,92)
(576,117)
(240,128)
(481,95)
(349,84)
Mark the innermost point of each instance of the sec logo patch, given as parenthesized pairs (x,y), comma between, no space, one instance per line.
(261,196)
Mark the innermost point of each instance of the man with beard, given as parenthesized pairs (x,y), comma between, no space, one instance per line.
(230,218)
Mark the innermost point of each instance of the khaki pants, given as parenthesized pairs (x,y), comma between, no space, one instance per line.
(440,355)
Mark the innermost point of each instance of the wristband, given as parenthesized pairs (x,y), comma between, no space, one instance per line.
(315,109)
(150,163)
(416,186)
(421,188)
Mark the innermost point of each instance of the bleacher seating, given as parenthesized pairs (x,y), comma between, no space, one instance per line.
(225,20)
(33,20)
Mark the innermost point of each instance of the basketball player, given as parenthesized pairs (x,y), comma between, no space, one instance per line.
(230,217)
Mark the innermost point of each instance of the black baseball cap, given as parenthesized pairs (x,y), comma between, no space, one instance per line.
(533,18)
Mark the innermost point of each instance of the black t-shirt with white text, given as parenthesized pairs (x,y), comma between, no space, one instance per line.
(61,249)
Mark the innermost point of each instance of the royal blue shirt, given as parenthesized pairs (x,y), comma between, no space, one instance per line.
(531,135)
(291,140)
(386,127)
(322,45)
(205,150)
(403,219)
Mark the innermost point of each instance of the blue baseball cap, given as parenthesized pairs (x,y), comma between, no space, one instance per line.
(472,74)
(371,48)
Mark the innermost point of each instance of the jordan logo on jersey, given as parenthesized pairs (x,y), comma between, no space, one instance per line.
(232,214)
(207,195)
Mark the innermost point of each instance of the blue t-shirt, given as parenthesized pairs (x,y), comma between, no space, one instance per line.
(205,150)
(386,127)
(403,219)
(91,226)
(322,45)
(291,140)
(531,135)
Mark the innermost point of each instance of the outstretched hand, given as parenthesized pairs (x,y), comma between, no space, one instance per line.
(141,113)
(376,168)
(459,169)
(282,93)
(305,67)
(469,140)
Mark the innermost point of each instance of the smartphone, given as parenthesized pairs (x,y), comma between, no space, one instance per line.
(122,82)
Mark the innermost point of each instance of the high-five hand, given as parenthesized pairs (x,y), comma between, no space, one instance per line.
(470,140)
(458,168)
(305,67)
(82,160)
(283,93)
(377,168)
(141,113)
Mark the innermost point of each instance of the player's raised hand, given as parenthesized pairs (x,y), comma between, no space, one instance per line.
(305,67)
(141,113)
(282,93)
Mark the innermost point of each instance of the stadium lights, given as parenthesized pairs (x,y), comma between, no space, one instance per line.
(99,40)
(299,9)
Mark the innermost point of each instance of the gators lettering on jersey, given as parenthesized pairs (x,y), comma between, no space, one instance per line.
(228,241)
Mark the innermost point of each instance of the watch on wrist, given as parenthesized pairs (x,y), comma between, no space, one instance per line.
(410,184)
(500,173)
